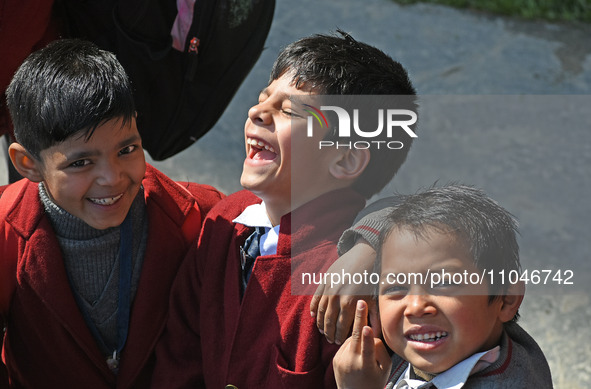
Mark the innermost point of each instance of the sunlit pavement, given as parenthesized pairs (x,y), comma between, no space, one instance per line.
(541,175)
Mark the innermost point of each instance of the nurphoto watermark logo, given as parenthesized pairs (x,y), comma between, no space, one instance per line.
(361,122)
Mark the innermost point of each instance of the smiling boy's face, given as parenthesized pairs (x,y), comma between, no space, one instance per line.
(435,328)
(97,179)
(279,155)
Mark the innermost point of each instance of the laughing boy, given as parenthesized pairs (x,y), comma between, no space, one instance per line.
(234,319)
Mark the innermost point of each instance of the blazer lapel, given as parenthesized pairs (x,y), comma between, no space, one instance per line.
(43,269)
(149,310)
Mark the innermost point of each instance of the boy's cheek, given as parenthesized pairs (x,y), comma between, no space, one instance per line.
(391,327)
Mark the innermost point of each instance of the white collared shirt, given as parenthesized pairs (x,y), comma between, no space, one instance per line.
(456,376)
(255,215)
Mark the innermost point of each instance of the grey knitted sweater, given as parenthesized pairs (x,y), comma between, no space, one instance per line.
(91,260)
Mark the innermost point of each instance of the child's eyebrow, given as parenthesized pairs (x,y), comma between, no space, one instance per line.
(81,155)
(132,139)
(281,95)
(450,268)
(94,152)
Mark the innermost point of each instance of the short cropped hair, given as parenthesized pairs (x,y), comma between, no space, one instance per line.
(69,87)
(486,228)
(341,65)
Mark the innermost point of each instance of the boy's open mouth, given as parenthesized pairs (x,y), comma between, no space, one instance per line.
(260,150)
(429,337)
(105,200)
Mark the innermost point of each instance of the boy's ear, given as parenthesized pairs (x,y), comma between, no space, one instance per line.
(24,163)
(350,164)
(511,301)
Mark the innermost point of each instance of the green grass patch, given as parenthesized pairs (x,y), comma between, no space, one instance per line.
(552,10)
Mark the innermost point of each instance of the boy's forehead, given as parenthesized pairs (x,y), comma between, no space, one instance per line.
(111,134)
(288,81)
(427,247)
(279,93)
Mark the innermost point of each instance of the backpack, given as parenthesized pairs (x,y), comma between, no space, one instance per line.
(179,95)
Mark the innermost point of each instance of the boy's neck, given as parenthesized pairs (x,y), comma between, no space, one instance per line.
(275,211)
(277,208)
(423,374)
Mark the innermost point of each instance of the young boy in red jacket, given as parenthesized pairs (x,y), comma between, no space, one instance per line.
(92,237)
(445,311)
(237,318)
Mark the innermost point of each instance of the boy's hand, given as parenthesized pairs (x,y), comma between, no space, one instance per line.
(362,362)
(333,306)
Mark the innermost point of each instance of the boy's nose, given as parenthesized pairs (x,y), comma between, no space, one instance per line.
(110,174)
(419,305)
(260,114)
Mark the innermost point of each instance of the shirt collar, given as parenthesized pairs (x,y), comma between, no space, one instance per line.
(255,215)
(456,376)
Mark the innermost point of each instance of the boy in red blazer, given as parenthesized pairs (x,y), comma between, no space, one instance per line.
(98,235)
(238,318)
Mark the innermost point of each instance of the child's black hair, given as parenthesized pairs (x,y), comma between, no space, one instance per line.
(341,65)
(487,229)
(69,87)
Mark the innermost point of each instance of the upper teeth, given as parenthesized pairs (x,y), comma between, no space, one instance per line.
(106,200)
(429,337)
(260,144)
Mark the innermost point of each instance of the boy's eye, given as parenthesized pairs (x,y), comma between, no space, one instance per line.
(291,113)
(443,284)
(80,163)
(447,286)
(127,150)
(395,290)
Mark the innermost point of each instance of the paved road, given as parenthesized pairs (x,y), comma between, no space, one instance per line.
(532,154)
(506,109)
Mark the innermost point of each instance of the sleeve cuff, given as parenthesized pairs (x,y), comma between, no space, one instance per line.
(368,228)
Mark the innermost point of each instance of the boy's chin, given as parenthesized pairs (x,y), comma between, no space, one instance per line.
(251,181)
(244,182)
(254,187)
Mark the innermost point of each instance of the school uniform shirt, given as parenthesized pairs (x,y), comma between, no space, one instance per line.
(256,216)
(47,343)
(266,337)
(453,378)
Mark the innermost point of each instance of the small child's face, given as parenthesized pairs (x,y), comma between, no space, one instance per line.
(268,169)
(96,180)
(435,326)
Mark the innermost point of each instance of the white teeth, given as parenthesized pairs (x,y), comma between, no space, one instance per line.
(106,200)
(428,337)
(260,144)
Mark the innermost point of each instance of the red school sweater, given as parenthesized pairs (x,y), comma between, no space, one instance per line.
(267,338)
(47,343)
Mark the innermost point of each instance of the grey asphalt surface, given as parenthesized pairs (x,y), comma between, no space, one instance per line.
(510,114)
